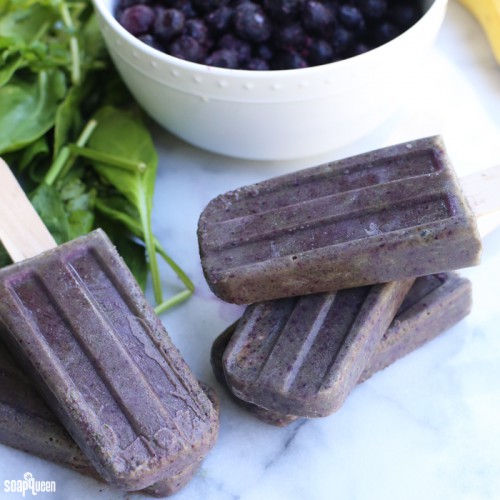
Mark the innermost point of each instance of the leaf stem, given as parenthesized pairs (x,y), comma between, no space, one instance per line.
(178,271)
(73,45)
(63,161)
(115,161)
(137,230)
(173,301)
(150,246)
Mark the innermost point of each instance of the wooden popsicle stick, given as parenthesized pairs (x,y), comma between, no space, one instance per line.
(22,231)
(482,190)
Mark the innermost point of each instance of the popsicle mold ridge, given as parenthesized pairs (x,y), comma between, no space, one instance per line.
(27,424)
(305,355)
(80,324)
(385,215)
(433,305)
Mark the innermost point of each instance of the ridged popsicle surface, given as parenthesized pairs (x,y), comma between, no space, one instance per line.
(386,215)
(28,424)
(433,305)
(303,356)
(82,327)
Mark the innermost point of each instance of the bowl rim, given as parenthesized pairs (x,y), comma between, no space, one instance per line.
(105,9)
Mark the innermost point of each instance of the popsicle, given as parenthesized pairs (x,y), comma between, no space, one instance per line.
(390,214)
(28,424)
(75,318)
(303,355)
(433,305)
(216,353)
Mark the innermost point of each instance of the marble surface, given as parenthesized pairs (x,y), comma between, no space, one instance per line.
(426,427)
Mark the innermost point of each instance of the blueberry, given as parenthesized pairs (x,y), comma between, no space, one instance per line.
(223,58)
(204,6)
(360,48)
(373,9)
(385,32)
(351,17)
(320,52)
(150,40)
(251,23)
(341,39)
(266,34)
(242,48)
(198,30)
(220,19)
(138,19)
(185,6)
(317,17)
(186,47)
(282,10)
(257,64)
(168,24)
(123,4)
(289,35)
(289,59)
(405,15)
(264,51)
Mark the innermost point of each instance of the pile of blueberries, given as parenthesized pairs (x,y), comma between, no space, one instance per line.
(266,34)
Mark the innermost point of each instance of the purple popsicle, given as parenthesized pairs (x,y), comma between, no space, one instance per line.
(28,424)
(433,305)
(76,319)
(386,215)
(303,355)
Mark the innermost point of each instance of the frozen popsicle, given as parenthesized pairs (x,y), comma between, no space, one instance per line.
(28,424)
(218,347)
(76,319)
(433,305)
(304,355)
(386,215)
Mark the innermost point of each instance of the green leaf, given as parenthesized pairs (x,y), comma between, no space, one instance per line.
(24,21)
(92,43)
(28,109)
(80,222)
(50,207)
(132,252)
(31,153)
(121,211)
(55,74)
(68,119)
(122,134)
(5,260)
(73,189)
(8,69)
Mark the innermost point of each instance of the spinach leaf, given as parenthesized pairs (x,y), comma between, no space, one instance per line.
(132,250)
(28,108)
(49,205)
(5,260)
(68,119)
(24,21)
(114,209)
(74,136)
(123,135)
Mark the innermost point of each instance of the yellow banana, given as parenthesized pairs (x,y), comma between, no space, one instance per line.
(487,12)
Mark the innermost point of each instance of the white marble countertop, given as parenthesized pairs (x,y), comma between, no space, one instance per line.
(427,426)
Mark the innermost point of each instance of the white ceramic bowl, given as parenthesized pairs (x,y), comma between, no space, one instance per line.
(271,115)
